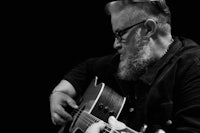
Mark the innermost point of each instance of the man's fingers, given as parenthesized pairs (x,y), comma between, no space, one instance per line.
(71,102)
(57,120)
(63,114)
(115,124)
(96,127)
(61,106)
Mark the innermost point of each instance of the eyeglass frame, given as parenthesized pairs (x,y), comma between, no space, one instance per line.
(119,33)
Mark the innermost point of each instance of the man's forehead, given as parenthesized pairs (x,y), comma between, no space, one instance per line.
(125,18)
(120,19)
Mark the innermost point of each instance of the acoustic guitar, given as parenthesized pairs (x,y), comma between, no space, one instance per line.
(99,102)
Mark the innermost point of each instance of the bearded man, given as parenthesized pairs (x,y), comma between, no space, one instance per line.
(159,74)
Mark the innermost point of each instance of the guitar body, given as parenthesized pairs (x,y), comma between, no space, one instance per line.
(99,101)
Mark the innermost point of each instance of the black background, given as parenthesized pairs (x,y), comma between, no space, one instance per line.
(46,39)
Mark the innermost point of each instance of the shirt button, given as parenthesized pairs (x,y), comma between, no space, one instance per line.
(131,110)
(136,97)
(168,122)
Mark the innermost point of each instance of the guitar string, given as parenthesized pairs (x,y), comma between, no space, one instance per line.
(89,121)
(86,117)
(90,115)
(92,120)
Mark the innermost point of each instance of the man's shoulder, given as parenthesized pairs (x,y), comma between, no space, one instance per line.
(189,48)
(189,53)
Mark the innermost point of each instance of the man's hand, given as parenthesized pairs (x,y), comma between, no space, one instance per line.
(99,126)
(96,127)
(59,100)
(115,124)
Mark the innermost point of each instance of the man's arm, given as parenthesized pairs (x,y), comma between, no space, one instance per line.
(62,96)
(66,87)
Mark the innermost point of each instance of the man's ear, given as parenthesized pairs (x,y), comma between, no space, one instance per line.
(151,27)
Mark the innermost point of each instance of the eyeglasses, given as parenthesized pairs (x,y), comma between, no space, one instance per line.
(119,33)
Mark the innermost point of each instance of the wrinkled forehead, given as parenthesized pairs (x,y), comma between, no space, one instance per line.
(126,17)
(119,20)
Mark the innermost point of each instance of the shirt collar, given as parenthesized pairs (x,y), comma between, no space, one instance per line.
(149,76)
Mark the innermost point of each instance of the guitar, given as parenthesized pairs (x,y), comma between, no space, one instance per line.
(98,103)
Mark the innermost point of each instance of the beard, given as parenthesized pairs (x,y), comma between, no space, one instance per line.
(133,65)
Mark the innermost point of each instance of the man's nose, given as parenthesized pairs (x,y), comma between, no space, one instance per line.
(117,44)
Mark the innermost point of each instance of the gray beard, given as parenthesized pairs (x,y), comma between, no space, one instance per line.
(130,69)
(134,65)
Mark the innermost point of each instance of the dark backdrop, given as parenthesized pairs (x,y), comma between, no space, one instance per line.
(49,38)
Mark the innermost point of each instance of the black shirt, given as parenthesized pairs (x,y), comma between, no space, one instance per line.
(168,90)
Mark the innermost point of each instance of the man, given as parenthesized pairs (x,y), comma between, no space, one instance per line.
(158,73)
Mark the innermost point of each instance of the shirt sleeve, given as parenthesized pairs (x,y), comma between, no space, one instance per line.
(81,75)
